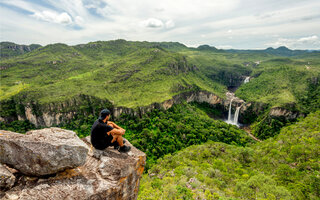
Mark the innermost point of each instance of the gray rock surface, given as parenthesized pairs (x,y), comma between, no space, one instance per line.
(106,174)
(42,152)
(7,179)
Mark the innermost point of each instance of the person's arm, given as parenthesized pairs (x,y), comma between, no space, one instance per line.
(116,131)
(115,125)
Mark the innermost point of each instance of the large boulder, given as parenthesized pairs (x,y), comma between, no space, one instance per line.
(7,179)
(106,174)
(42,152)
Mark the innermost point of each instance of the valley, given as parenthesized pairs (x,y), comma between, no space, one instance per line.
(214,124)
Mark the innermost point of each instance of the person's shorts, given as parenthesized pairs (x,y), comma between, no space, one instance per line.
(103,144)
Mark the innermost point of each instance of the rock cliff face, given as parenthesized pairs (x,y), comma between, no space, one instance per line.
(106,174)
(42,152)
(62,112)
(288,114)
(57,113)
(54,113)
(199,96)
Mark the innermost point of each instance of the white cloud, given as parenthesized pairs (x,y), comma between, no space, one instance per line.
(170,24)
(224,47)
(49,16)
(214,22)
(312,42)
(152,23)
(312,39)
(79,20)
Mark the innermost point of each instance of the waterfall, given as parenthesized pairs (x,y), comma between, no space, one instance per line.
(229,115)
(247,79)
(236,116)
(233,121)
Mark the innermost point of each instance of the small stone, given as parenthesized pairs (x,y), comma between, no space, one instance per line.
(7,179)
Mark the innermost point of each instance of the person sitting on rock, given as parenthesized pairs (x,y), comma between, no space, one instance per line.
(105,133)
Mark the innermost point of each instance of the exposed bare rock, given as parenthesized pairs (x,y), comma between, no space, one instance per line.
(198,96)
(106,174)
(7,179)
(288,114)
(42,152)
(235,100)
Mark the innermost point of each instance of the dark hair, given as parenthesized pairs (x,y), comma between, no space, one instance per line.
(104,113)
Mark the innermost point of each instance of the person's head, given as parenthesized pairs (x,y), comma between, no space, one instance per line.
(104,115)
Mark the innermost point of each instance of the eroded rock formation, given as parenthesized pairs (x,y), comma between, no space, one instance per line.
(199,96)
(42,152)
(106,174)
(7,179)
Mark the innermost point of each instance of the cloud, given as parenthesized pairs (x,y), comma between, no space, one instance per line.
(49,16)
(311,39)
(224,47)
(300,43)
(152,23)
(157,23)
(79,20)
(214,22)
(170,24)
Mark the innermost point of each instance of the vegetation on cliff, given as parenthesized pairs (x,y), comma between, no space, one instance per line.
(132,74)
(126,73)
(85,78)
(284,167)
(163,132)
(10,49)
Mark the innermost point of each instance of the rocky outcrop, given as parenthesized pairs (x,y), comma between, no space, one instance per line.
(287,114)
(62,112)
(106,174)
(7,179)
(52,114)
(42,152)
(198,96)
(9,49)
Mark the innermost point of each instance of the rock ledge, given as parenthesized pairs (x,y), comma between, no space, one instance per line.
(106,174)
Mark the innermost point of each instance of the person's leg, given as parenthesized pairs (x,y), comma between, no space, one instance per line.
(118,140)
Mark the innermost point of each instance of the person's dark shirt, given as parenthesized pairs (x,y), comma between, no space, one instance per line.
(99,137)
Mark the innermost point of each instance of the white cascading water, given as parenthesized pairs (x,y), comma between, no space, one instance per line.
(236,116)
(229,115)
(247,79)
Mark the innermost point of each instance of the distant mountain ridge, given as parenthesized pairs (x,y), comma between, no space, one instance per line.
(280,51)
(10,49)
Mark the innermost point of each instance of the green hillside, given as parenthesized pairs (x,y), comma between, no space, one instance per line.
(160,132)
(284,167)
(126,73)
(283,81)
(9,49)
(230,165)
(134,74)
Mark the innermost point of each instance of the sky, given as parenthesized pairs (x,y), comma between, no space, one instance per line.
(226,24)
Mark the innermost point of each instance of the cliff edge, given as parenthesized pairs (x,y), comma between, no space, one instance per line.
(106,174)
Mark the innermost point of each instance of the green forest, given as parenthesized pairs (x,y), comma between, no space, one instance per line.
(284,167)
(192,153)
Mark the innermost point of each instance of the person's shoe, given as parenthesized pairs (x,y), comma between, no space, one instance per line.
(116,145)
(124,149)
